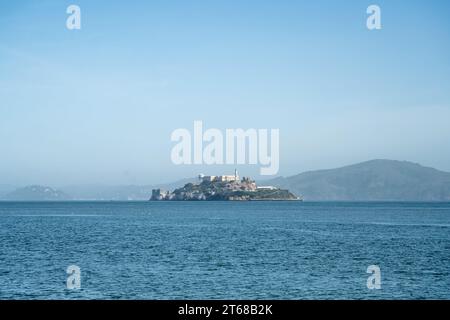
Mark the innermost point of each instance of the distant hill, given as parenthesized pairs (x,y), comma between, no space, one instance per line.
(108,193)
(36,193)
(376,180)
(119,193)
(5,189)
(87,192)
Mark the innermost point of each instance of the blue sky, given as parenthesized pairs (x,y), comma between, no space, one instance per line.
(98,105)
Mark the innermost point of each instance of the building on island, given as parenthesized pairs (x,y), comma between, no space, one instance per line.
(224,187)
(266,188)
(158,194)
(225,178)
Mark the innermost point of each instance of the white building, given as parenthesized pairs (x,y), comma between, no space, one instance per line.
(224,178)
(266,188)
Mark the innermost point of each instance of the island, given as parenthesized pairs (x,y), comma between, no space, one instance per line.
(224,188)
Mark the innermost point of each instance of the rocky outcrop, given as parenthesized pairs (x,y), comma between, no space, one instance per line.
(245,190)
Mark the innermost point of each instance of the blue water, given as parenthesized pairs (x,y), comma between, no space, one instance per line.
(224,250)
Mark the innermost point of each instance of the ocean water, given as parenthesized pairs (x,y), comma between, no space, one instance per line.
(224,250)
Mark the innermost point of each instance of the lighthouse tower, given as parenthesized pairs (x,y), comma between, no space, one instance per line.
(236,176)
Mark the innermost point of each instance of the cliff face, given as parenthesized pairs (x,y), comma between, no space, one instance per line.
(222,191)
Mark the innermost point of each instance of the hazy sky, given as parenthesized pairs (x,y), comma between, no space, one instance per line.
(98,105)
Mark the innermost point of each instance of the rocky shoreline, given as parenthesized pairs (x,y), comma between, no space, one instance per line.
(216,190)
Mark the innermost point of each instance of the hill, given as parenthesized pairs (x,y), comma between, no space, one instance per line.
(36,193)
(375,180)
(119,193)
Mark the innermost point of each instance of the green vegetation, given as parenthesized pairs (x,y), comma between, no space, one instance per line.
(244,190)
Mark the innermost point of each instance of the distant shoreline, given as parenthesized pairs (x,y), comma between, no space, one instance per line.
(370,181)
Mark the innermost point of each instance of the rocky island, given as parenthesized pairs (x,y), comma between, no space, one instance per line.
(223,188)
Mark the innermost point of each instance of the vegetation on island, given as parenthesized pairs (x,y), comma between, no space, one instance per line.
(239,190)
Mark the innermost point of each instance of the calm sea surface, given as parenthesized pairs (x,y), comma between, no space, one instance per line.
(224,250)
